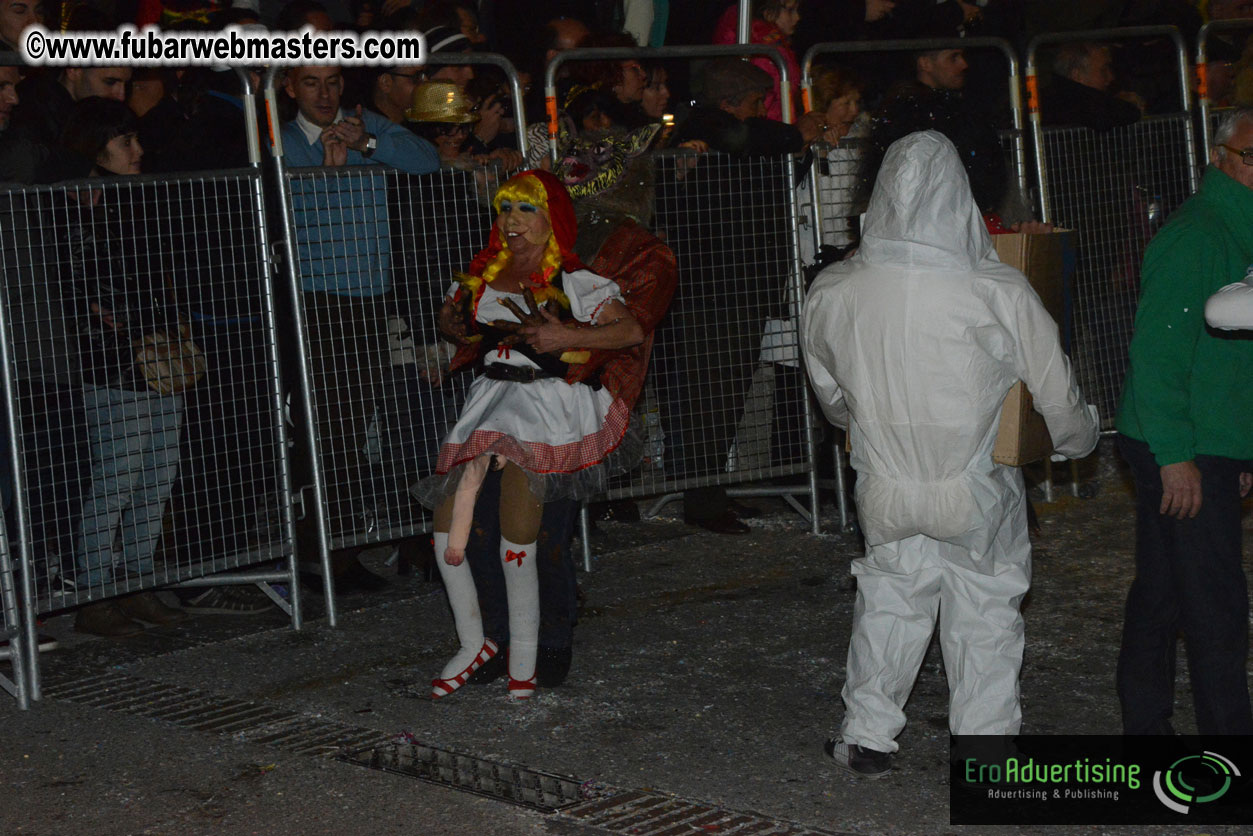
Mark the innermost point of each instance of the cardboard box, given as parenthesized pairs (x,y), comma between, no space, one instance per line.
(1022,436)
(1042,257)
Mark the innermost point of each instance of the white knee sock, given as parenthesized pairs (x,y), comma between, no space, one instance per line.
(522,587)
(464,599)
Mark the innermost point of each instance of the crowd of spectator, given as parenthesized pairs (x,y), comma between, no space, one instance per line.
(114,122)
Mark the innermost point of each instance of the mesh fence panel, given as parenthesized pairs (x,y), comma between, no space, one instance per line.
(726,395)
(9,619)
(376,251)
(836,177)
(129,488)
(1115,190)
(1215,119)
(13,676)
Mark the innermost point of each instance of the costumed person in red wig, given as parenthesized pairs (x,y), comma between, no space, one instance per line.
(552,438)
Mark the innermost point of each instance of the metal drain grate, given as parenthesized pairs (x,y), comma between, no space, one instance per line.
(637,812)
(193,709)
(542,791)
(642,813)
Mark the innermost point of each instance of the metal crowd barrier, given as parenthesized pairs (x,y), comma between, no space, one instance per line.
(373,418)
(135,471)
(1012,139)
(827,209)
(747,384)
(124,488)
(657,54)
(17,685)
(726,400)
(1115,189)
(1208,115)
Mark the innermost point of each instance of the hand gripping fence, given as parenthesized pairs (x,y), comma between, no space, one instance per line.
(1115,189)
(141,388)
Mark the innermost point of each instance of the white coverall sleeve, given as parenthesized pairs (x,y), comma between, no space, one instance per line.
(1045,369)
(1231,308)
(819,362)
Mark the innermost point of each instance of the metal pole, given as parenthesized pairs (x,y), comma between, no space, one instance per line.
(271,319)
(1202,74)
(585,531)
(311,505)
(24,652)
(796,292)
(510,71)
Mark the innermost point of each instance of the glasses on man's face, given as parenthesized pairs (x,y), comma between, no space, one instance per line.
(1245,154)
(413,77)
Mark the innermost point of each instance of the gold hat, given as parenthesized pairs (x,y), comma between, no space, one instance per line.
(440,101)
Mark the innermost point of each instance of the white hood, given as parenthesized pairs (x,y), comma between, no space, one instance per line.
(922,213)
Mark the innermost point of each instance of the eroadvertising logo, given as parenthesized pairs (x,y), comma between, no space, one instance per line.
(1194,779)
(1075,779)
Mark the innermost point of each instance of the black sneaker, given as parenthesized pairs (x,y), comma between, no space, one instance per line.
(858,760)
(552,665)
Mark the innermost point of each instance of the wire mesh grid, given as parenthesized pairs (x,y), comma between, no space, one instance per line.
(145,387)
(837,172)
(1216,116)
(725,400)
(10,619)
(376,252)
(1115,190)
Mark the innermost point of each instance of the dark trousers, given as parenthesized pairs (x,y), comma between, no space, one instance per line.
(720,356)
(56,464)
(229,471)
(347,340)
(1189,580)
(558,592)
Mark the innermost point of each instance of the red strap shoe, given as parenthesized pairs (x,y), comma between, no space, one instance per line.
(444,687)
(521,689)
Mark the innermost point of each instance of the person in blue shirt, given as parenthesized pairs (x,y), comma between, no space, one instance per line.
(343,263)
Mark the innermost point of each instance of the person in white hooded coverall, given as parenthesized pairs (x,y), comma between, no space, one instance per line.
(913,344)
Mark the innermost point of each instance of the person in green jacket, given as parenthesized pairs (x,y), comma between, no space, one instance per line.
(1182,430)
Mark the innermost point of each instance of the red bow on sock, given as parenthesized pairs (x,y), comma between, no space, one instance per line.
(510,555)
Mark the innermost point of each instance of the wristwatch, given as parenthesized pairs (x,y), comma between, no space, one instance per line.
(371,145)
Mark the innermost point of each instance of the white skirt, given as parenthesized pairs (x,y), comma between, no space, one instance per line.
(568,438)
(546,426)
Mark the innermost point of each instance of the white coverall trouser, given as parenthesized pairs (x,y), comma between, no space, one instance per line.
(981,636)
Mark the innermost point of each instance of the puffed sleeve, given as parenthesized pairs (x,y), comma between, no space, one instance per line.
(589,293)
